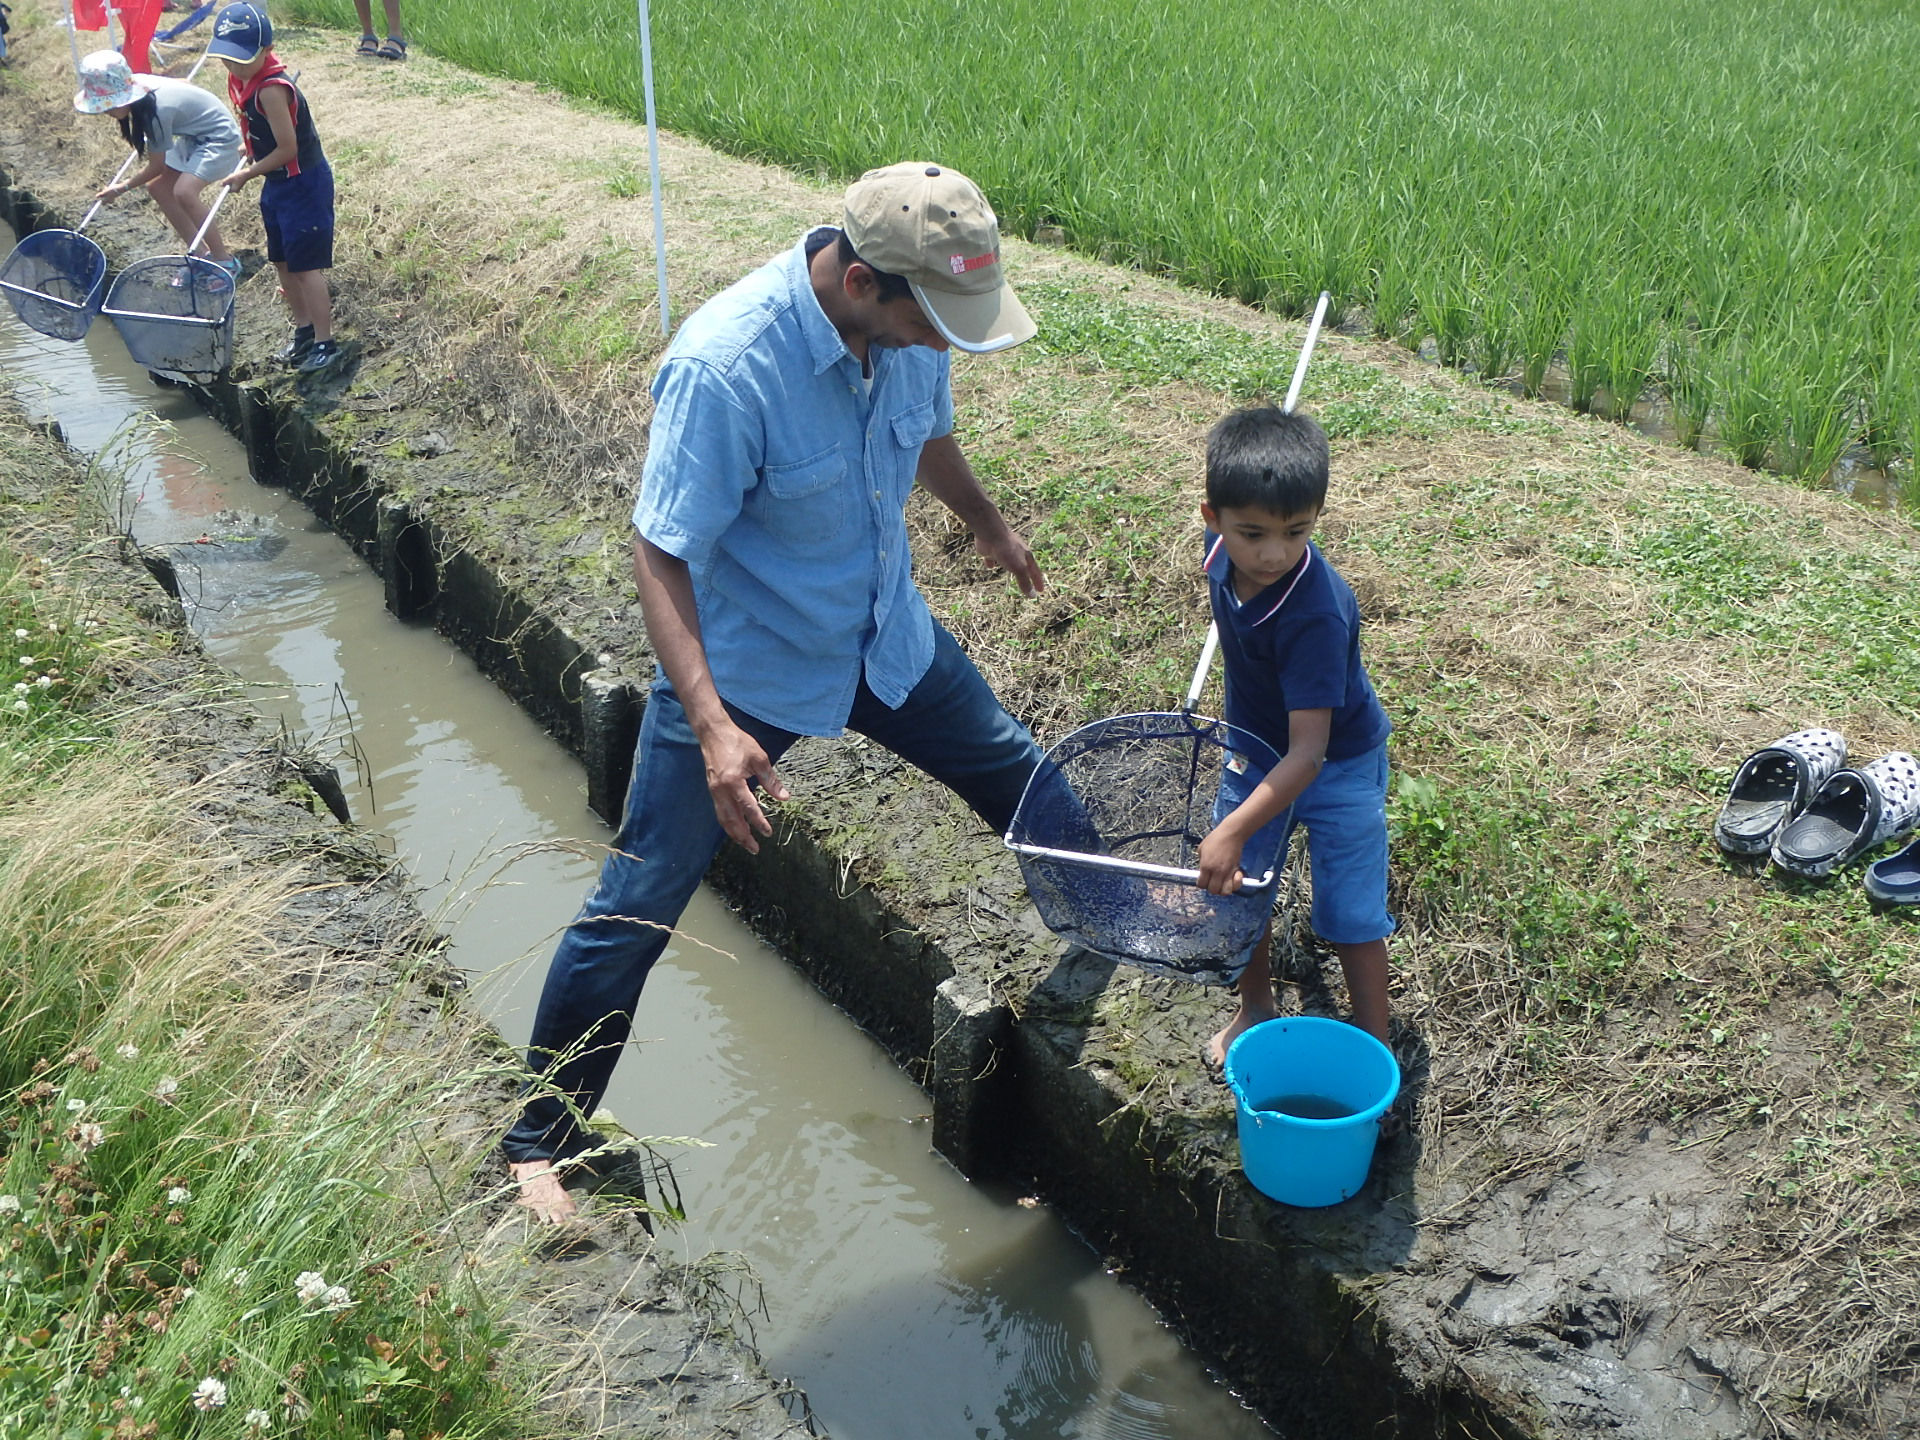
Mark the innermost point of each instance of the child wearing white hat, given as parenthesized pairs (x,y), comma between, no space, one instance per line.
(187,137)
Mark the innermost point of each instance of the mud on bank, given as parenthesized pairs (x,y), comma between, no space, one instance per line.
(1662,1174)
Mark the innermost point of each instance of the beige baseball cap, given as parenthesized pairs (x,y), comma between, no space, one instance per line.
(932,227)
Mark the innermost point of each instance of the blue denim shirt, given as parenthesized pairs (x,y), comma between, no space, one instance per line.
(783,483)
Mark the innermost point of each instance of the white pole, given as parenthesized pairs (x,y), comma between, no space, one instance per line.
(73,38)
(653,165)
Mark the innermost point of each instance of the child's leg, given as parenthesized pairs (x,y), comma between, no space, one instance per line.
(1257,1002)
(364,9)
(307,297)
(394,30)
(177,193)
(1365,966)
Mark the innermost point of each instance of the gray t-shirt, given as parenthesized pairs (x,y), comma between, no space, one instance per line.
(197,132)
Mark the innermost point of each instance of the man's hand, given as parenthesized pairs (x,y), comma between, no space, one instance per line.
(1220,859)
(1007,551)
(735,760)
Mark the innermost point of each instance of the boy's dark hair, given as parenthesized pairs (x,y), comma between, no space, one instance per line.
(1266,458)
(892,287)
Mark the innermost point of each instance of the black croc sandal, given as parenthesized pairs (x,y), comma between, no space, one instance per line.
(1773,786)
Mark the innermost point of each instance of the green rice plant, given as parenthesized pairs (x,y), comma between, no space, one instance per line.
(1744,380)
(1545,308)
(1588,334)
(1818,417)
(1629,346)
(1445,307)
(1892,399)
(1393,299)
(1689,385)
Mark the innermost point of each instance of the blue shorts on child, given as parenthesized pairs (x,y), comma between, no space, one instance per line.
(1345,812)
(297,211)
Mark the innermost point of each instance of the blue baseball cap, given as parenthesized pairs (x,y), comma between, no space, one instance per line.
(240,32)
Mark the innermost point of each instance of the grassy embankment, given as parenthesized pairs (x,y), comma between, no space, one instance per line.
(230,1198)
(1712,202)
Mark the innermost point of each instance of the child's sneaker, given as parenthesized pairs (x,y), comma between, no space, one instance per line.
(323,354)
(298,348)
(232,266)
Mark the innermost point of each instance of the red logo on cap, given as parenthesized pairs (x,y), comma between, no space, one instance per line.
(961,264)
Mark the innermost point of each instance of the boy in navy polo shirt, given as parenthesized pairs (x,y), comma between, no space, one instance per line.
(296,195)
(1290,636)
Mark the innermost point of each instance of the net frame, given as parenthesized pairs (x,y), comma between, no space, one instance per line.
(54,280)
(1108,832)
(183,328)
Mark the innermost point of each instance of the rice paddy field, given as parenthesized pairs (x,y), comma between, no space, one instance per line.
(1714,205)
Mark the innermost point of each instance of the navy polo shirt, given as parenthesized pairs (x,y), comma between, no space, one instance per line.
(1295,646)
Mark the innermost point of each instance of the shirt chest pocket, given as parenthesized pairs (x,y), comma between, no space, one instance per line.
(806,502)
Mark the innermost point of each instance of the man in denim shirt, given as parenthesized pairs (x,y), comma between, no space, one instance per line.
(793,415)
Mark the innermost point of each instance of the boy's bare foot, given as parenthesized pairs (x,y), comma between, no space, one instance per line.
(542,1193)
(1242,1022)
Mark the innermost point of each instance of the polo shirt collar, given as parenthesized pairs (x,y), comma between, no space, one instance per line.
(824,345)
(1264,606)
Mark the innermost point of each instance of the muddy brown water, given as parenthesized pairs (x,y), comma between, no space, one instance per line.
(900,1298)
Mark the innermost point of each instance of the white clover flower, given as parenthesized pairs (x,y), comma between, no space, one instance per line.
(257,1419)
(188,1293)
(238,1277)
(19,634)
(310,1285)
(128,1051)
(75,1106)
(21,706)
(337,1298)
(90,624)
(26,659)
(44,681)
(209,1394)
(166,1088)
(20,687)
(179,1195)
(245,1155)
(9,1204)
(90,1135)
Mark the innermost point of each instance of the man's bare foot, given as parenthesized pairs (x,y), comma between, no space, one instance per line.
(542,1193)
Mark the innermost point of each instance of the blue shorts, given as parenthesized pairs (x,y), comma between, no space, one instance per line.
(1345,812)
(298,215)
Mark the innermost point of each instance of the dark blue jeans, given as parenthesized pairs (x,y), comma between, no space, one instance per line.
(951,726)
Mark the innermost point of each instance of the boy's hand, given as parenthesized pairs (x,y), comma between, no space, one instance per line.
(1220,860)
(237,181)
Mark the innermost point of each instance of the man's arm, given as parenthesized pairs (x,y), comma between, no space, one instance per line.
(945,475)
(1307,733)
(734,758)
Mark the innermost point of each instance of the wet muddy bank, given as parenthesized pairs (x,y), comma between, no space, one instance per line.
(634,1343)
(1542,1296)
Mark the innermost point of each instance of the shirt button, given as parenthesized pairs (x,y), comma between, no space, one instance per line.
(876,494)
(883,554)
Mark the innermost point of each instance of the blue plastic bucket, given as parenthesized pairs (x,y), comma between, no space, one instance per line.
(1311,1093)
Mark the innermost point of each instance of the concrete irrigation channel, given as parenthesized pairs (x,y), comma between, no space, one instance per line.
(1543,1299)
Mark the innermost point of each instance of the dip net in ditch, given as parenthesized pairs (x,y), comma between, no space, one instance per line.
(54,280)
(175,314)
(1108,837)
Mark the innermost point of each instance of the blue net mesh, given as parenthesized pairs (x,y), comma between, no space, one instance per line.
(1141,788)
(175,313)
(54,280)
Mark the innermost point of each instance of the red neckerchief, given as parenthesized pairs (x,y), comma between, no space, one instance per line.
(240,92)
